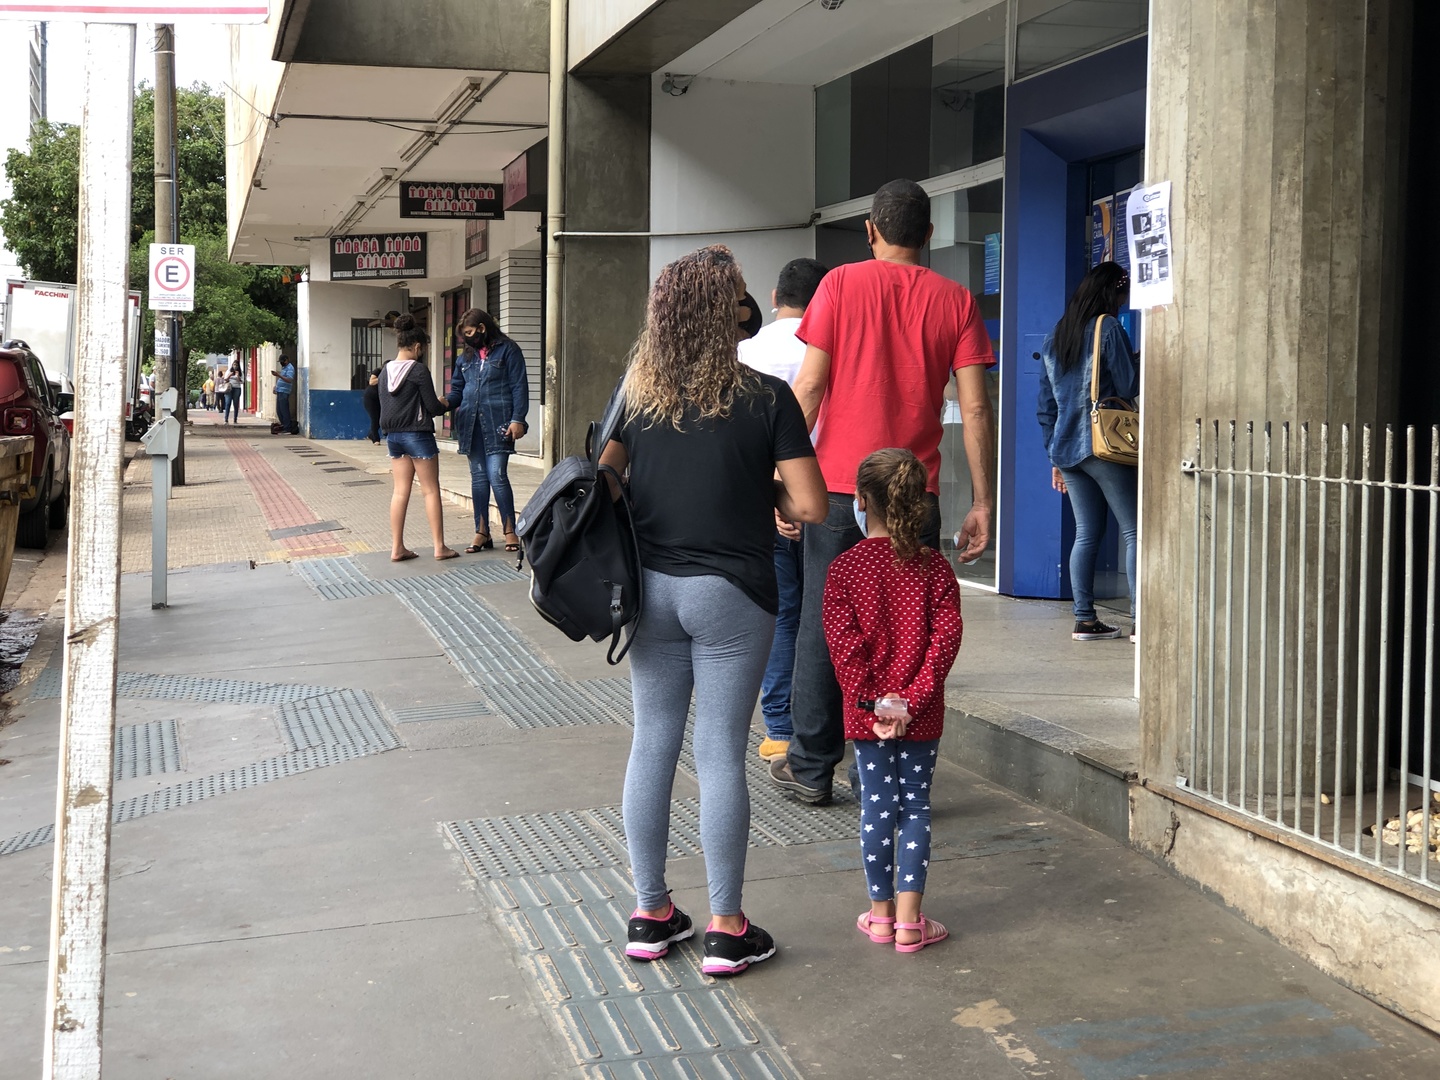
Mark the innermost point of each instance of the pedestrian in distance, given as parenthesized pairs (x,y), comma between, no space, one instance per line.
(776,351)
(702,437)
(892,624)
(207,393)
(371,398)
(883,340)
(408,405)
(284,391)
(234,389)
(1063,409)
(490,395)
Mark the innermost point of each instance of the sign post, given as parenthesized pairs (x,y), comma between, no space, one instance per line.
(75,984)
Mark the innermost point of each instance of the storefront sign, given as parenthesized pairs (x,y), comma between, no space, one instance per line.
(172,277)
(992,264)
(381,255)
(525,179)
(448,199)
(1147,213)
(477,243)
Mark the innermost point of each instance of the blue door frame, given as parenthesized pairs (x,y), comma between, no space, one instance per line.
(1054,124)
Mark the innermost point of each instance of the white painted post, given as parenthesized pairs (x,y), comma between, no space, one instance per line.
(76,988)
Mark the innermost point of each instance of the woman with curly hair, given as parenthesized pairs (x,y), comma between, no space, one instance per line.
(703,437)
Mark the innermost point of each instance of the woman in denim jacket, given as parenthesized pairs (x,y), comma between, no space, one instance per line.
(490,394)
(1064,413)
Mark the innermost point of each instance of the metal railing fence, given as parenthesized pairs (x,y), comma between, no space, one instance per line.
(1313,649)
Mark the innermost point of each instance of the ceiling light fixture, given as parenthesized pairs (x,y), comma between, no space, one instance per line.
(676,85)
(831,5)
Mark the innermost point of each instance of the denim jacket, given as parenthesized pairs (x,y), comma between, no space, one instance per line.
(488,395)
(1064,405)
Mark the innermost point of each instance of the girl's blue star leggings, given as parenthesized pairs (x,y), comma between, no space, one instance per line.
(895,777)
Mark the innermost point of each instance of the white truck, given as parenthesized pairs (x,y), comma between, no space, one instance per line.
(46,316)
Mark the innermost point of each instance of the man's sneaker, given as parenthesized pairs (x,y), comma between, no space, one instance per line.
(782,777)
(1095,631)
(730,954)
(774,749)
(650,939)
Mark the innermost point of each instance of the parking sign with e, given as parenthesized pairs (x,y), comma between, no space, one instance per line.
(172,277)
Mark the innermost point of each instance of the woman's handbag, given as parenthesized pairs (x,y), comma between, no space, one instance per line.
(1114,422)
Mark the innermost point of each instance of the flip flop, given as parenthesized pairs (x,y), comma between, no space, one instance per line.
(451,555)
(931,932)
(405,557)
(867,920)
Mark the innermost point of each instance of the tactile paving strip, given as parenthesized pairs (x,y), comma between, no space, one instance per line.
(139,684)
(463,710)
(480,572)
(480,644)
(335,579)
(146,749)
(622,1019)
(524,844)
(558,704)
(337,718)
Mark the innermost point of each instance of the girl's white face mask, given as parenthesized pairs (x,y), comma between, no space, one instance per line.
(860,517)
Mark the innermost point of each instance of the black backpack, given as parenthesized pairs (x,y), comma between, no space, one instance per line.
(584,558)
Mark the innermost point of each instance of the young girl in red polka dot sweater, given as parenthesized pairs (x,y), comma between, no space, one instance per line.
(892,621)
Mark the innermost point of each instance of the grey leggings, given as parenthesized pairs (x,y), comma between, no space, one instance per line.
(699,633)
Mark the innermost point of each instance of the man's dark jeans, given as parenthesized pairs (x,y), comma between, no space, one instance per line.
(775,690)
(283,414)
(818,742)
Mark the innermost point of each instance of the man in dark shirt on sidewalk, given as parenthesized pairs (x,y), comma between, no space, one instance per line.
(882,339)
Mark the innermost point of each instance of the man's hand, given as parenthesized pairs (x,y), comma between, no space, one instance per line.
(974,535)
(788,529)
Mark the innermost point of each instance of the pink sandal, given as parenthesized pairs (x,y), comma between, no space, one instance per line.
(931,932)
(867,920)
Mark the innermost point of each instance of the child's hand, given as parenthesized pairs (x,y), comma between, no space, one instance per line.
(892,717)
(887,729)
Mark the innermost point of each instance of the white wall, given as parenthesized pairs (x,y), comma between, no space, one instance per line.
(324,345)
(731,155)
(594,22)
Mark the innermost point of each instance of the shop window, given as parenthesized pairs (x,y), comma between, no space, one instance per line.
(1053,31)
(967,93)
(832,142)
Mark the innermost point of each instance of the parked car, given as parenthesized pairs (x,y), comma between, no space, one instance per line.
(63,391)
(28,406)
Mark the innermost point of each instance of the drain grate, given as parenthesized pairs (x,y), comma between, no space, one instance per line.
(560,704)
(146,749)
(523,844)
(359,483)
(348,718)
(343,468)
(304,530)
(463,710)
(620,1019)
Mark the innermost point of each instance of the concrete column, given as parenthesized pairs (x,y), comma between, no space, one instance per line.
(607,178)
(1281,125)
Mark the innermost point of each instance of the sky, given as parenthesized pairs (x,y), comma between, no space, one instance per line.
(202,54)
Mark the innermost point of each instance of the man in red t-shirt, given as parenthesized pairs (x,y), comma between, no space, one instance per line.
(883,338)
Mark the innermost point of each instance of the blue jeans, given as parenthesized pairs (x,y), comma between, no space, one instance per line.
(818,741)
(490,473)
(780,671)
(890,769)
(282,411)
(1093,485)
(231,404)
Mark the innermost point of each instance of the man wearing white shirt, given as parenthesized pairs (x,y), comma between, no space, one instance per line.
(776,351)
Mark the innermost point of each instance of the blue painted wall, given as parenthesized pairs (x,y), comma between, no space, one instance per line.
(337,414)
(1054,124)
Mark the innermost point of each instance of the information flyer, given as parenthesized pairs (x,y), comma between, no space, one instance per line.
(1147,214)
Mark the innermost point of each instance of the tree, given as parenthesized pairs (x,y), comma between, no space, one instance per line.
(235,306)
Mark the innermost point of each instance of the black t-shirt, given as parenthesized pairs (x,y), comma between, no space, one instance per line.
(705,496)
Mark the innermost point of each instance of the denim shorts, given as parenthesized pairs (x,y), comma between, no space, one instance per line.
(419,445)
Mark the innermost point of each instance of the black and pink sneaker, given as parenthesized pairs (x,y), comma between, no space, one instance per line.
(730,954)
(650,939)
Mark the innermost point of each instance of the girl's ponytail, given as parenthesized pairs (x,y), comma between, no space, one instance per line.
(893,481)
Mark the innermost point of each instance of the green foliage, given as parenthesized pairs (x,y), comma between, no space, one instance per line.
(235,306)
(41,218)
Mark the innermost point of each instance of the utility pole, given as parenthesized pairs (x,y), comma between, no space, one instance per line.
(167,229)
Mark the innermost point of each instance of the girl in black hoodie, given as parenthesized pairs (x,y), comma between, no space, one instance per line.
(408,405)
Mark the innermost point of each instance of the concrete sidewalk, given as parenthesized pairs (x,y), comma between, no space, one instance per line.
(368,828)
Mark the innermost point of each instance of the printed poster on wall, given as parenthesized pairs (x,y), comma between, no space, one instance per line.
(1102,231)
(1121,240)
(992,264)
(1147,213)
